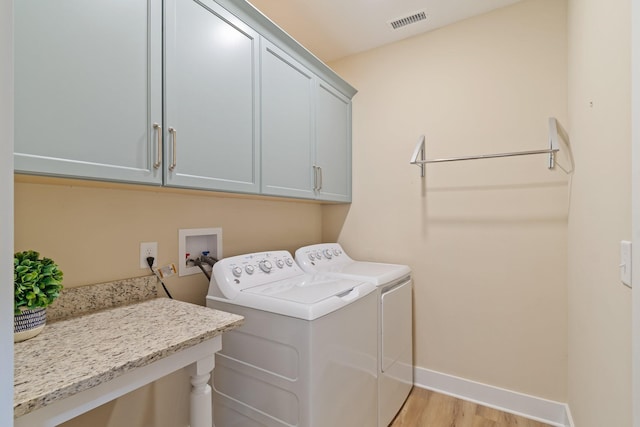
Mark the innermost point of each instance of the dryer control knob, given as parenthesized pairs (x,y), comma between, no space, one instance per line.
(237,271)
(336,252)
(311,257)
(289,262)
(327,253)
(280,263)
(265,266)
(249,269)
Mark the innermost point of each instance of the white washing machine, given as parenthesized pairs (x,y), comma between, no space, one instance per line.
(395,332)
(306,354)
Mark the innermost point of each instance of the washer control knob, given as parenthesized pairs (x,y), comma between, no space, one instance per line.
(280,263)
(265,265)
(318,255)
(289,262)
(327,253)
(311,257)
(249,269)
(336,252)
(237,271)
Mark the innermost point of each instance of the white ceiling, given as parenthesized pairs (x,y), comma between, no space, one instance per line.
(332,29)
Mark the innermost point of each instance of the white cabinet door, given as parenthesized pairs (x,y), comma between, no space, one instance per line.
(211,99)
(88,88)
(287,125)
(333,144)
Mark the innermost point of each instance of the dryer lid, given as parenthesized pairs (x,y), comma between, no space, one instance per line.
(330,258)
(372,272)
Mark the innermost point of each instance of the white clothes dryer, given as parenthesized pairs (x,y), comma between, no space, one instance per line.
(395,331)
(306,354)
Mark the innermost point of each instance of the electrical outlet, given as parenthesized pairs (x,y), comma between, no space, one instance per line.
(148,249)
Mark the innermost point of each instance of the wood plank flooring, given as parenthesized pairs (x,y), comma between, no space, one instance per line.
(425,408)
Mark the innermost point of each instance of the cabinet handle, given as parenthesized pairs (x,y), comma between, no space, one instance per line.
(174,140)
(158,161)
(320,180)
(315,178)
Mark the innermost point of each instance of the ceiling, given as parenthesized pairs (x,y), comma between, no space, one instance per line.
(332,29)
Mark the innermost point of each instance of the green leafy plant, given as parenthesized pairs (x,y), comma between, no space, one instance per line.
(38,281)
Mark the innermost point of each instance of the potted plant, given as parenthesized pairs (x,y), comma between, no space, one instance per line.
(38,282)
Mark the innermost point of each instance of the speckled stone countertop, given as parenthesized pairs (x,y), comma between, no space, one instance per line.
(74,355)
(81,300)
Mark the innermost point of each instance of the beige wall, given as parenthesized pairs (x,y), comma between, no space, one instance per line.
(93,231)
(599,305)
(486,239)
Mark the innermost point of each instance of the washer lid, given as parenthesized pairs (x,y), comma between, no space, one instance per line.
(306,289)
(272,281)
(302,300)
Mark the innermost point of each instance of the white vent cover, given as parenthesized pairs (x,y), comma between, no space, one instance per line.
(411,19)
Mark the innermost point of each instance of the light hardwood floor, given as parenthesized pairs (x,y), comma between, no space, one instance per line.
(426,408)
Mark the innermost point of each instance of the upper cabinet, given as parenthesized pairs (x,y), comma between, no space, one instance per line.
(88,89)
(287,125)
(306,132)
(186,93)
(333,144)
(211,103)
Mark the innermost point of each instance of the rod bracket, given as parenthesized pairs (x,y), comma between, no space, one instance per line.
(419,151)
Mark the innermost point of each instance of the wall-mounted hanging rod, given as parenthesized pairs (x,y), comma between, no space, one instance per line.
(554,147)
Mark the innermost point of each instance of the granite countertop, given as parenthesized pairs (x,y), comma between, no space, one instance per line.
(73,355)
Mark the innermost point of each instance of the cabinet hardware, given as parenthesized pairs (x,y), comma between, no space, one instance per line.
(158,161)
(315,178)
(174,138)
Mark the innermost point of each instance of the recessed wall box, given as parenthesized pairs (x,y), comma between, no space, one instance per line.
(193,243)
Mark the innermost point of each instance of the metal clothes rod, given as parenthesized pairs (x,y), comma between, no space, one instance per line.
(554,147)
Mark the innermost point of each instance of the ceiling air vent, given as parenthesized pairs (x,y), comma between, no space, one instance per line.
(411,19)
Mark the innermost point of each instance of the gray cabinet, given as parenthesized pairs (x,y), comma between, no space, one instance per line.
(211,100)
(205,94)
(306,132)
(332,144)
(88,88)
(287,125)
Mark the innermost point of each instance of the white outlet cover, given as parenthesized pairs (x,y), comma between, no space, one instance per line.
(148,249)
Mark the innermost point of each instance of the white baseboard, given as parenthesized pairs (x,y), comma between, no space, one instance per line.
(543,410)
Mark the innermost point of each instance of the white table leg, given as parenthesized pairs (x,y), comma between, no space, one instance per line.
(201,410)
